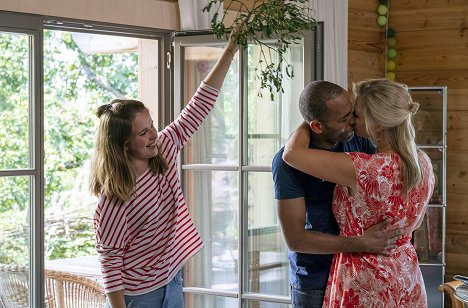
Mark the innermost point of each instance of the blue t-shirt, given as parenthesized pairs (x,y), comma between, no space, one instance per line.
(310,271)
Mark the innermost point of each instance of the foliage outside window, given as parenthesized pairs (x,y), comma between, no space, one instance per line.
(75,84)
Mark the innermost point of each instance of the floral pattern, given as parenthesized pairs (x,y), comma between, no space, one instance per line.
(371,280)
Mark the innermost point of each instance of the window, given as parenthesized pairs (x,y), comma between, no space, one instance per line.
(226,174)
(53,75)
(52,80)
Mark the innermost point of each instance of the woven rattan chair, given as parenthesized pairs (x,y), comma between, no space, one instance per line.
(62,289)
(14,286)
(73,291)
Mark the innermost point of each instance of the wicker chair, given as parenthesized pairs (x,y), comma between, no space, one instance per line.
(14,286)
(62,289)
(73,291)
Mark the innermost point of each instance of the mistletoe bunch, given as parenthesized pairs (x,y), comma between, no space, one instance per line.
(278,21)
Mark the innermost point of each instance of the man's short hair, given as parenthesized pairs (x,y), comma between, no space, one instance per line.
(314,98)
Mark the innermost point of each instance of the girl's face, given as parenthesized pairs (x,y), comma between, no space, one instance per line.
(360,123)
(144,142)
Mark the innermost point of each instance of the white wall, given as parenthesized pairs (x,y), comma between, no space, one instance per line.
(146,13)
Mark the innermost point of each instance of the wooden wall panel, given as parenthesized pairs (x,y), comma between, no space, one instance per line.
(422,4)
(457,217)
(456,264)
(458,98)
(366,65)
(433,58)
(362,5)
(365,42)
(454,79)
(359,19)
(443,38)
(457,138)
(457,174)
(428,19)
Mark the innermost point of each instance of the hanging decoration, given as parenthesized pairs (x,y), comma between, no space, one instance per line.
(390,50)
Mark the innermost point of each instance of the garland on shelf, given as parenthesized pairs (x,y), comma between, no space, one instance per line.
(391,52)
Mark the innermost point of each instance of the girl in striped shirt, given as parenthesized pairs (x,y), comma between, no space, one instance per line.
(144,233)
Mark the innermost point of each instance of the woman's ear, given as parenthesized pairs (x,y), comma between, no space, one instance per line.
(379,132)
(316,126)
(379,129)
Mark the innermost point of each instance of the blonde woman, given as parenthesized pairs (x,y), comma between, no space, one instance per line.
(394,184)
(144,233)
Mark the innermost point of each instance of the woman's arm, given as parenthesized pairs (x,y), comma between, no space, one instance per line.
(110,228)
(329,166)
(192,116)
(216,76)
(116,299)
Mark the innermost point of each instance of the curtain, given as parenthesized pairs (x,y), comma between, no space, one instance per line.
(192,17)
(334,14)
(290,115)
(198,194)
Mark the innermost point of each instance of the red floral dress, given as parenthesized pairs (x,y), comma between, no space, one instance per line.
(371,280)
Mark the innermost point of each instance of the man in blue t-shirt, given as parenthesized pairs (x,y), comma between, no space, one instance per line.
(304,202)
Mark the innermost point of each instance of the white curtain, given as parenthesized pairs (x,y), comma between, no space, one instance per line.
(202,263)
(334,14)
(290,115)
(192,17)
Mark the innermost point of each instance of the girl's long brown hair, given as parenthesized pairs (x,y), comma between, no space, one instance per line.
(112,173)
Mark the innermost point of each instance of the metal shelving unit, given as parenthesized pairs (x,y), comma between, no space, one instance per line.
(430,123)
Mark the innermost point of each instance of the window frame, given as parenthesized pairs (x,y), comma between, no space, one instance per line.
(313,70)
(34,26)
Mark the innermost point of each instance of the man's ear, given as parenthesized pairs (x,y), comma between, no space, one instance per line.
(316,126)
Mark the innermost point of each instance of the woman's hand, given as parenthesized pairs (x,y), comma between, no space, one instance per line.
(232,47)
(216,76)
(297,143)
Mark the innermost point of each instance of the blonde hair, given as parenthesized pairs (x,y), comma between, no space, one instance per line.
(112,173)
(388,104)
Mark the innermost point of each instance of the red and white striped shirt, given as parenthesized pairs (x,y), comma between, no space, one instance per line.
(145,241)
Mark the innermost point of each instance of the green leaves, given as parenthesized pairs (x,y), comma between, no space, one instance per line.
(75,83)
(273,25)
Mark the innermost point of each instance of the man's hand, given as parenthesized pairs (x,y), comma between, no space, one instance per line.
(377,239)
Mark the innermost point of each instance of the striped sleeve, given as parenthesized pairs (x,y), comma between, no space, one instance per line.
(111,237)
(192,116)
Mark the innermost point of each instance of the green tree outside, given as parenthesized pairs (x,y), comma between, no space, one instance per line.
(75,84)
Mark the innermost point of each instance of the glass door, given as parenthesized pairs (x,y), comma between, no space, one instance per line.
(226,174)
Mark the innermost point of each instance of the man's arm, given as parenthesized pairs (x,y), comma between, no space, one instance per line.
(292,214)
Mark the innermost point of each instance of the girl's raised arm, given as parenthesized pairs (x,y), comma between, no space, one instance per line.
(216,76)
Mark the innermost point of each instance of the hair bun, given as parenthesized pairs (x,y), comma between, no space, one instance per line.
(101,110)
(413,107)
